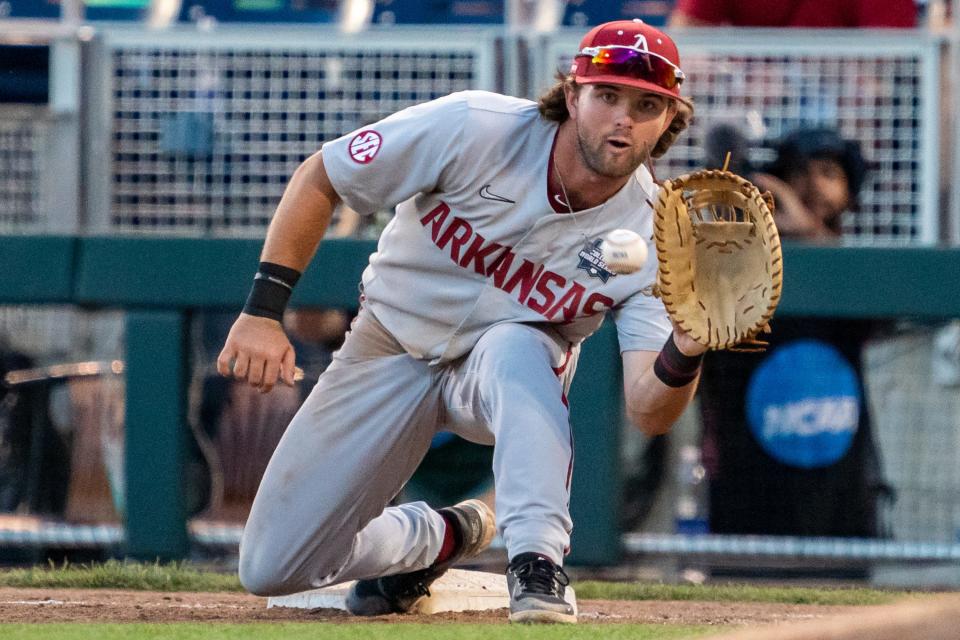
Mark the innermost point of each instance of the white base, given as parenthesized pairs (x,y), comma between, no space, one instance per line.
(456,590)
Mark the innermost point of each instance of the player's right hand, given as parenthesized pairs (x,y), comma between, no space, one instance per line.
(257,350)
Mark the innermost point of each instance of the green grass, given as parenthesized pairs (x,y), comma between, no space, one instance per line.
(590,590)
(184,577)
(121,575)
(313,631)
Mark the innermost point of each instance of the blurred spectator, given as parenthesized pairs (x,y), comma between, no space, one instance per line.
(816,177)
(34,462)
(795,13)
(787,441)
(935,14)
(238,426)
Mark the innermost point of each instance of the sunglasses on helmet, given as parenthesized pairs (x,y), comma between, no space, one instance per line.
(632,63)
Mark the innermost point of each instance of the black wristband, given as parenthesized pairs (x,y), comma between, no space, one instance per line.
(272,286)
(674,368)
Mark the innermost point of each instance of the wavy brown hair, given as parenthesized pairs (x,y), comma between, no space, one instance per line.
(553,106)
(553,103)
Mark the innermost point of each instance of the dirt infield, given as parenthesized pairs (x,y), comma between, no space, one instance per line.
(95,605)
(934,618)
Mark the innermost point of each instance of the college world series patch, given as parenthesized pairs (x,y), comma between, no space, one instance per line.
(591,261)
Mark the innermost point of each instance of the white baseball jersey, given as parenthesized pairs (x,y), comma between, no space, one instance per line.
(475,241)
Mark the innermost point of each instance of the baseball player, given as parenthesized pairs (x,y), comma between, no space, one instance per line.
(474,305)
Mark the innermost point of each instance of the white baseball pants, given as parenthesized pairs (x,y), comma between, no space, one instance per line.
(319,517)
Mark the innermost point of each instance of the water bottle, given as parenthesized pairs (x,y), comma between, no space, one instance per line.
(691,505)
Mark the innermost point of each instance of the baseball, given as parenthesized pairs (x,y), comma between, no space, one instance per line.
(624,251)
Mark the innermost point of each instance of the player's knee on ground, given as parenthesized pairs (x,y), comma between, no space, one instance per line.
(271,570)
(260,579)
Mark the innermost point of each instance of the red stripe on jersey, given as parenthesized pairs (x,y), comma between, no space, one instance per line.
(563,365)
(563,398)
(569,464)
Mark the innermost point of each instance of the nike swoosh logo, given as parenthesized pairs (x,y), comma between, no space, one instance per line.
(486,194)
(557,197)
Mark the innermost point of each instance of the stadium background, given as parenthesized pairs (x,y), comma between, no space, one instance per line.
(139,165)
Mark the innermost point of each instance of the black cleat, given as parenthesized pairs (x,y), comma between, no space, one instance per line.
(537,587)
(402,592)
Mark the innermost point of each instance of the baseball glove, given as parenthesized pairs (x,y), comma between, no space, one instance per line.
(720,269)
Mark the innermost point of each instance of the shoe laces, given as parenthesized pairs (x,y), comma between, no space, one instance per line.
(406,586)
(419,589)
(541,576)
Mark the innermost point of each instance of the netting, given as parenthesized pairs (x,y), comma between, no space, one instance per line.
(22,137)
(874,101)
(205,140)
(916,430)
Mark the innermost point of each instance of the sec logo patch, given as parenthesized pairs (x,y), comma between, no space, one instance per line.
(364,146)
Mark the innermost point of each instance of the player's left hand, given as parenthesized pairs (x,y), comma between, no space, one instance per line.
(719,271)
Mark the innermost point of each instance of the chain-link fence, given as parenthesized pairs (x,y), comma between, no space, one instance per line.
(204,133)
(23,136)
